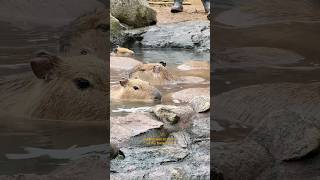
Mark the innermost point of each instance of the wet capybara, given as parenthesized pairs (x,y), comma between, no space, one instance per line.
(134,90)
(87,34)
(70,88)
(155,73)
(159,74)
(120,51)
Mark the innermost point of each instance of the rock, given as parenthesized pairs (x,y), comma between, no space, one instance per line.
(124,128)
(249,105)
(187,95)
(123,63)
(188,35)
(135,13)
(242,160)
(201,126)
(288,135)
(175,118)
(116,31)
(200,103)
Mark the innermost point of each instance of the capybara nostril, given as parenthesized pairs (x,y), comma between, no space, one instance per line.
(157,95)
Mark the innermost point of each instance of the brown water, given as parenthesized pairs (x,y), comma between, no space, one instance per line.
(291,25)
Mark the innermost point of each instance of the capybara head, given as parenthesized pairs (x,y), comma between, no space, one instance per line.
(72,88)
(135,90)
(120,51)
(155,73)
(89,32)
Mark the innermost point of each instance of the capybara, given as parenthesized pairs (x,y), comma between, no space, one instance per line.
(121,51)
(87,34)
(134,90)
(155,73)
(69,88)
(158,74)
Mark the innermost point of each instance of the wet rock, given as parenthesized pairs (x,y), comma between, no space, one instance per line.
(167,162)
(124,128)
(243,160)
(175,118)
(200,103)
(116,31)
(201,126)
(253,57)
(123,63)
(187,95)
(288,135)
(249,105)
(135,13)
(188,35)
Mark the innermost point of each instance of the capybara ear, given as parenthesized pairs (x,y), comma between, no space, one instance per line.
(43,64)
(164,64)
(124,82)
(156,69)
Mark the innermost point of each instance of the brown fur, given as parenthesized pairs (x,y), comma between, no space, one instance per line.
(59,97)
(126,91)
(155,73)
(88,34)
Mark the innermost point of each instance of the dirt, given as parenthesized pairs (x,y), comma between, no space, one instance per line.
(190,12)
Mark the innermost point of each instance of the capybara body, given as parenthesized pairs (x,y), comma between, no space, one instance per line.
(155,73)
(134,90)
(159,74)
(71,88)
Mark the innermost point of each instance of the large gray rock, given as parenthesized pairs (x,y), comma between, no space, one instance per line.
(284,145)
(188,35)
(135,13)
(249,105)
(116,31)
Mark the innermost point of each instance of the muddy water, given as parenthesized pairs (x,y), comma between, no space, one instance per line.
(287,25)
(173,58)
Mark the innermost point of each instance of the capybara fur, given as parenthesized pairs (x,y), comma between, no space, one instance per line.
(69,88)
(159,74)
(134,90)
(87,34)
(155,73)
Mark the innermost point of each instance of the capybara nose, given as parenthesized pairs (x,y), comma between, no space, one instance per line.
(157,95)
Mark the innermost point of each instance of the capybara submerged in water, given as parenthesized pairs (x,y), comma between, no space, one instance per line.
(134,90)
(70,88)
(158,74)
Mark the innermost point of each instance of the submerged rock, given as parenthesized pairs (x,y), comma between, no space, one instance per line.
(187,95)
(125,128)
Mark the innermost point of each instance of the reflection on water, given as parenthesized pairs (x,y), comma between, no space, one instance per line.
(289,27)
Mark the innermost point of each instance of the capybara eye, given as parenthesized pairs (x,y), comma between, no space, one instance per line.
(135,87)
(84,52)
(82,83)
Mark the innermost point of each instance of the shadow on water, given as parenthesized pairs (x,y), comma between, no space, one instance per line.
(287,25)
